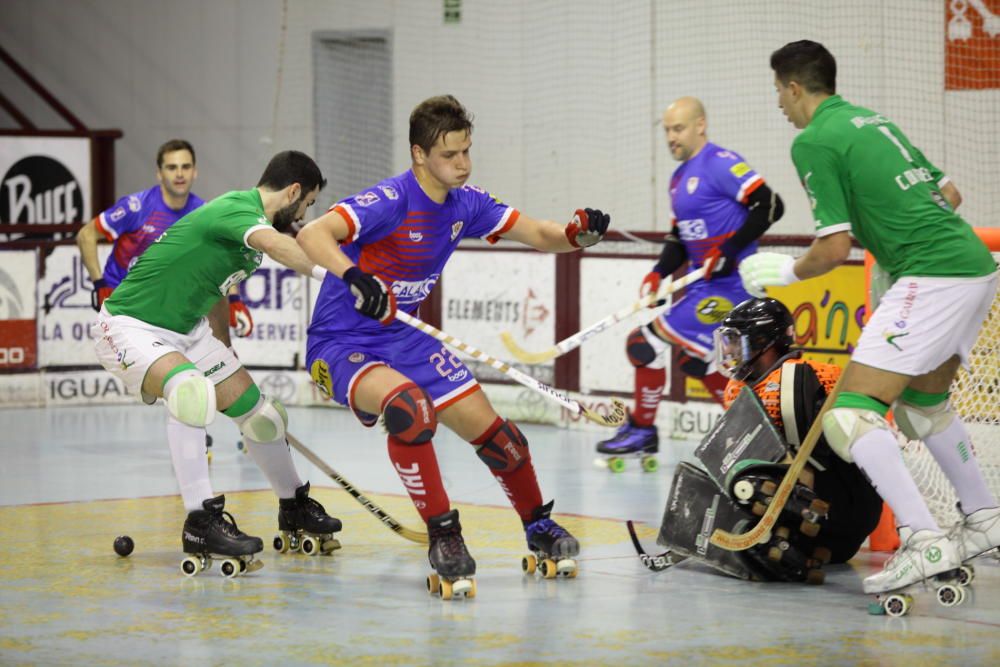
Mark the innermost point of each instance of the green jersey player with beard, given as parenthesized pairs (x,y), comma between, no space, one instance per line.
(864,178)
(152,333)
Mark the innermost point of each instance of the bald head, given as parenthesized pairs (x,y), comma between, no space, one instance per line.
(685,124)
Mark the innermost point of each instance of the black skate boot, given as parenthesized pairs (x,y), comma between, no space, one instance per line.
(208,533)
(304,524)
(453,566)
(553,549)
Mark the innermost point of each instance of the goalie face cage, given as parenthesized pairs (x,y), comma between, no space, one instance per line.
(975,395)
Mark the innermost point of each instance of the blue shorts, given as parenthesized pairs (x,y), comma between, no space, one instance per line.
(693,318)
(337,362)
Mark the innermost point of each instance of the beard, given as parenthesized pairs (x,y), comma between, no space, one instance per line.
(284,218)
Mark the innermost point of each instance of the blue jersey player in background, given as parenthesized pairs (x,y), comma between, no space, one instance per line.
(137,220)
(384,249)
(721,207)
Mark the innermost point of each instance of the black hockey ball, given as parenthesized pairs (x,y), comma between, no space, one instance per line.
(124,545)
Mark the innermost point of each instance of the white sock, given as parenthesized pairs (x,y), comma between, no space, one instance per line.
(952,450)
(187,451)
(275,460)
(878,455)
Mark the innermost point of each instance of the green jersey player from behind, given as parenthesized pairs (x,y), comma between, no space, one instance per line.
(152,333)
(864,178)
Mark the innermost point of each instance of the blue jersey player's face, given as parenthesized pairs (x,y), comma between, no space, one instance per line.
(449,162)
(177,173)
(685,130)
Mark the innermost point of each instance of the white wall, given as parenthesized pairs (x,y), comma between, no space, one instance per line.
(566,93)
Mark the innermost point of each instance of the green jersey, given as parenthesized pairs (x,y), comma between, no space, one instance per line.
(193,264)
(864,176)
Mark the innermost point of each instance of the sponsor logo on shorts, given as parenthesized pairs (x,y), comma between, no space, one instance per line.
(356,357)
(712,309)
(320,374)
(890,337)
(459,375)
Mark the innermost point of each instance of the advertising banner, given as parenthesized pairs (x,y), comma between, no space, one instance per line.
(44,180)
(18,338)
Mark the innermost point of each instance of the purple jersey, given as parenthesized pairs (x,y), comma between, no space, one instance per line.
(405,238)
(709,193)
(133,223)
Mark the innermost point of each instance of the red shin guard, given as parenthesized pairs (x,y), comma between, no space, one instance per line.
(516,475)
(648,392)
(417,467)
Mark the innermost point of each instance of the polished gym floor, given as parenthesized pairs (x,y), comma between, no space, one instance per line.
(74,478)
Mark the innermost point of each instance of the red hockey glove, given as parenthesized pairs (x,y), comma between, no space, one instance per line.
(239,317)
(587,227)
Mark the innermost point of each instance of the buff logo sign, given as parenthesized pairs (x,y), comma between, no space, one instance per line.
(40,189)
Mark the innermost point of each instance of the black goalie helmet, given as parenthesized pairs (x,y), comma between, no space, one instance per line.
(750,329)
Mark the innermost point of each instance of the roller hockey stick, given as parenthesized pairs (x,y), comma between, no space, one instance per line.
(379,513)
(655,563)
(615,419)
(762,531)
(580,337)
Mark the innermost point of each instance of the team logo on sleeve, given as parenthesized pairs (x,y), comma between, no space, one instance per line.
(367,198)
(389,192)
(456,229)
(134,204)
(692,185)
(740,169)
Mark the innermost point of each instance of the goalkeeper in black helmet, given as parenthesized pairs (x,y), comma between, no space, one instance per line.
(753,346)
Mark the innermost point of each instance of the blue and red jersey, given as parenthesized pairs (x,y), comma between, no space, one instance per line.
(133,223)
(709,195)
(399,234)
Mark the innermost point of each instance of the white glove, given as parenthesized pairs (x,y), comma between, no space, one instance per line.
(767,268)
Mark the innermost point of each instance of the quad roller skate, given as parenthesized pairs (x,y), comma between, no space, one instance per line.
(553,549)
(453,566)
(631,441)
(754,483)
(977,534)
(926,558)
(303,525)
(212,533)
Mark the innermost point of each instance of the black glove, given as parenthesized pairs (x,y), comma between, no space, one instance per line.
(587,227)
(100,292)
(373,298)
(720,260)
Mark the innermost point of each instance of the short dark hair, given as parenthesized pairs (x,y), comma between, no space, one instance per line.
(809,64)
(435,117)
(289,167)
(170,147)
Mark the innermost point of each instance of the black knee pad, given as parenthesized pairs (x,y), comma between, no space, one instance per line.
(640,352)
(692,366)
(506,449)
(409,415)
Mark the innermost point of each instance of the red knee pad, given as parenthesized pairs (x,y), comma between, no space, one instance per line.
(503,448)
(409,414)
(640,352)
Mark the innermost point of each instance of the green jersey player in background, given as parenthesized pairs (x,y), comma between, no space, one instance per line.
(153,334)
(864,178)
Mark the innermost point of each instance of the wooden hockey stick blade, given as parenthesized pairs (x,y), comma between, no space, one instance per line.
(615,419)
(379,513)
(656,563)
(524,356)
(570,343)
(762,531)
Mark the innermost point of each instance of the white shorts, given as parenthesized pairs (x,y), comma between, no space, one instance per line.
(127,347)
(922,322)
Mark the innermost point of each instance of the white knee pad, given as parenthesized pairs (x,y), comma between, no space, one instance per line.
(844,426)
(266,422)
(917,422)
(190,398)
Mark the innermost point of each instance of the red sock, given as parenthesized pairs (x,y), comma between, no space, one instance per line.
(417,467)
(521,484)
(716,385)
(648,392)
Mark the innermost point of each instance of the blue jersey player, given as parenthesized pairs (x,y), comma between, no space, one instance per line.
(137,220)
(384,249)
(721,207)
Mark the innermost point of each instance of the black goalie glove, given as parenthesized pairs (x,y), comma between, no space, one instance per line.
(372,298)
(587,227)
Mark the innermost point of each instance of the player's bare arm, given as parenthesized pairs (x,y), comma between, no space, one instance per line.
(321,239)
(587,227)
(951,193)
(87,239)
(282,249)
(825,254)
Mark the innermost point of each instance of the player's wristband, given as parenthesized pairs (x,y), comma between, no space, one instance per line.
(319,273)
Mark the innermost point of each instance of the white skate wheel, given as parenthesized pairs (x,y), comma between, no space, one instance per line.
(966,574)
(461,588)
(897,605)
(190,566)
(280,543)
(230,568)
(309,546)
(949,595)
(566,567)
